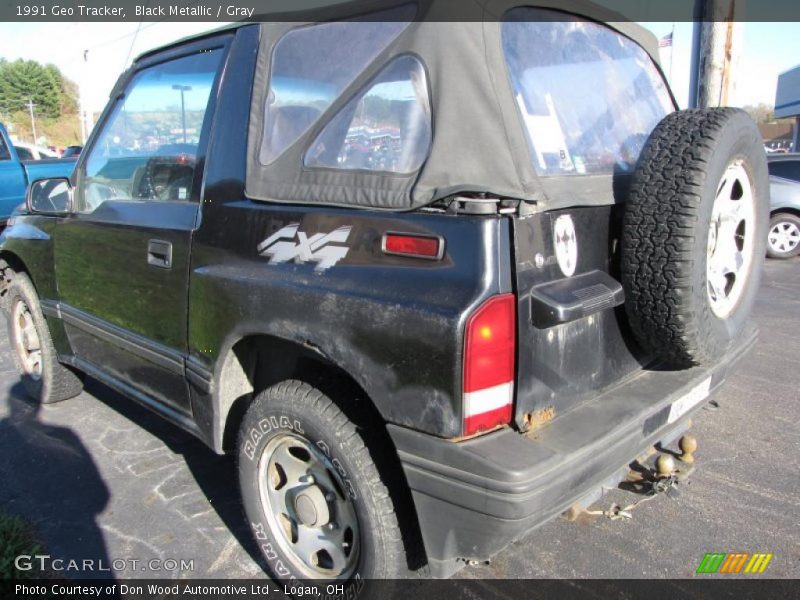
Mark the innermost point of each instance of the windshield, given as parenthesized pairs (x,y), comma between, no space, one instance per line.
(588,96)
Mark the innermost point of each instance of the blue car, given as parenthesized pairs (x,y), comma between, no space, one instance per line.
(16,174)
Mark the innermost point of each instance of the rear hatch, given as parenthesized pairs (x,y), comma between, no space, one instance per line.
(573,341)
(588,97)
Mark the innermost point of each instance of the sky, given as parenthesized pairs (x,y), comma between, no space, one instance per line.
(765,50)
(111,49)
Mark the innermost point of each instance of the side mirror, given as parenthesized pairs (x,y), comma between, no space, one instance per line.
(50,196)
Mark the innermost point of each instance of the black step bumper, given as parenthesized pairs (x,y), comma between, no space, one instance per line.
(474,497)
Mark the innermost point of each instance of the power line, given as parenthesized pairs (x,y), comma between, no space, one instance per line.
(130,49)
(139,28)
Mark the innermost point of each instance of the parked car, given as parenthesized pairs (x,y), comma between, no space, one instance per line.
(783,240)
(71,152)
(33,152)
(448,336)
(15,175)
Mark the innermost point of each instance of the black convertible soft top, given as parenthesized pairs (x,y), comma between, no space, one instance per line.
(478,141)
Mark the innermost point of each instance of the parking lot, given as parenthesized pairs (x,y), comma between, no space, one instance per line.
(102,478)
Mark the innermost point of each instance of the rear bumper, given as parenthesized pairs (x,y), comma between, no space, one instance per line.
(474,497)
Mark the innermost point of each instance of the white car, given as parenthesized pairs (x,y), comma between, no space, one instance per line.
(784,184)
(32,152)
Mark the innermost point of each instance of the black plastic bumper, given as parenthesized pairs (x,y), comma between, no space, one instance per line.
(474,497)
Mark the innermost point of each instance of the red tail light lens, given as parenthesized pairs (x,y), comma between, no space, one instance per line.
(413,245)
(489,355)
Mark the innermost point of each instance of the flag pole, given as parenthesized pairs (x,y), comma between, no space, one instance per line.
(671,51)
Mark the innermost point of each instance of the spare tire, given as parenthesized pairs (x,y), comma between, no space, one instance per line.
(694,234)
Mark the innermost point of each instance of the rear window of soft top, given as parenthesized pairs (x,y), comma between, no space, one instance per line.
(588,96)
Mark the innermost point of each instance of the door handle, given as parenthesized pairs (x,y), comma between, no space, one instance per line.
(159,254)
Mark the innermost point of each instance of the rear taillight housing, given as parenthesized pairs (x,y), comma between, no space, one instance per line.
(489,357)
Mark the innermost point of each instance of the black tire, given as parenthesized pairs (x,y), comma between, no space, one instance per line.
(54,382)
(670,297)
(293,410)
(788,247)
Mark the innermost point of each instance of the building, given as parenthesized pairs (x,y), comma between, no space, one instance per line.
(777,136)
(787,101)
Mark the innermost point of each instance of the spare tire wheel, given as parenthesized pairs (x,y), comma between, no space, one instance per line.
(694,234)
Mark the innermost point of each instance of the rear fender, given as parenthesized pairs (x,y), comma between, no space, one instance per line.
(394,324)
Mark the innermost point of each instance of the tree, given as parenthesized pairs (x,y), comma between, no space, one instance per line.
(761,113)
(23,81)
(68,96)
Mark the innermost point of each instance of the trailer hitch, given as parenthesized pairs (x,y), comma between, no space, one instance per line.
(652,482)
(652,488)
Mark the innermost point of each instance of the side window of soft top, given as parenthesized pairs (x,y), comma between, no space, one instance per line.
(311,67)
(385,128)
(4,152)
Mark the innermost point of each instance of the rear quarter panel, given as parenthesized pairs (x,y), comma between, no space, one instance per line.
(395,324)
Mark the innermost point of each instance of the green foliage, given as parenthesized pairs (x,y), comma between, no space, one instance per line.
(68,91)
(15,538)
(22,81)
(764,114)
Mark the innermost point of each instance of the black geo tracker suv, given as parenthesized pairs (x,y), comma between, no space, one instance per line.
(434,281)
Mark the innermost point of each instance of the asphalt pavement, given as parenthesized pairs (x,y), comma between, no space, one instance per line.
(103,479)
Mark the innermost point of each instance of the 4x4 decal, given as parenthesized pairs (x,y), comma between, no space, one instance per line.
(280,247)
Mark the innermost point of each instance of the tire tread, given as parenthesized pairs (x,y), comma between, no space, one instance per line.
(302,398)
(660,229)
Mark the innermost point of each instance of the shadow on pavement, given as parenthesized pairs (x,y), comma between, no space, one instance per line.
(215,475)
(50,479)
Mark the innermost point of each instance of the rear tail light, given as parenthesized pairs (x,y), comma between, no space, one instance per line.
(489,354)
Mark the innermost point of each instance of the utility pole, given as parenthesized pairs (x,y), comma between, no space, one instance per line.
(82,98)
(30,106)
(713,46)
(183,89)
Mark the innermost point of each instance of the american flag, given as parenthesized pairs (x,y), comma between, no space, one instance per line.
(665,41)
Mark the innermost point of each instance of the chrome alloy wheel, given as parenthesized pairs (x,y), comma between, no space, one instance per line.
(784,237)
(26,340)
(731,240)
(310,513)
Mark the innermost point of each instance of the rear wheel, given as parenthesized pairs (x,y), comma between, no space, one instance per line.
(312,493)
(44,378)
(783,240)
